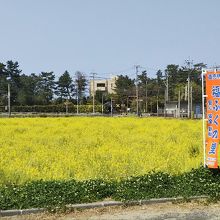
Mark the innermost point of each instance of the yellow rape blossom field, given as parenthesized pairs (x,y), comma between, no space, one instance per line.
(96,147)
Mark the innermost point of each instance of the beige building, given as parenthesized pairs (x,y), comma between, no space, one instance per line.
(105,85)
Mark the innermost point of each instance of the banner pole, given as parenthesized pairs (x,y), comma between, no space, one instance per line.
(203,118)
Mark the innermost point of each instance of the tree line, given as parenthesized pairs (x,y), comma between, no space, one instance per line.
(44,89)
(170,85)
(39,89)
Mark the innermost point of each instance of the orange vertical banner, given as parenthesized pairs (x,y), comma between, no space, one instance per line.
(213,117)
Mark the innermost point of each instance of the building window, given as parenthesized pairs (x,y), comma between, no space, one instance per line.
(100,84)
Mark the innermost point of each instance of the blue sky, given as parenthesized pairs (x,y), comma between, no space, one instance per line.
(108,36)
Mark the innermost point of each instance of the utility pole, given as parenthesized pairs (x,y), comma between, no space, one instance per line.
(137,105)
(157,105)
(188,113)
(93,99)
(179,104)
(111,108)
(189,63)
(93,95)
(165,106)
(167,88)
(9,100)
(191,110)
(146,94)
(157,101)
(185,96)
(146,101)
(166,95)
(102,103)
(77,100)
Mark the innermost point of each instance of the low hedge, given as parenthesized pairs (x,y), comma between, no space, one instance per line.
(59,108)
(53,193)
(153,185)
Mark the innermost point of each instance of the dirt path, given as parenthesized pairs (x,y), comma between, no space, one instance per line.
(156,211)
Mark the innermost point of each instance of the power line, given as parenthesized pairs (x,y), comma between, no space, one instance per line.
(118,71)
(128,71)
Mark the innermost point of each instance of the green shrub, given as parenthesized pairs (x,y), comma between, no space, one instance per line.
(153,185)
(59,108)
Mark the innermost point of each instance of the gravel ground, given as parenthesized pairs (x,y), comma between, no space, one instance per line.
(192,210)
